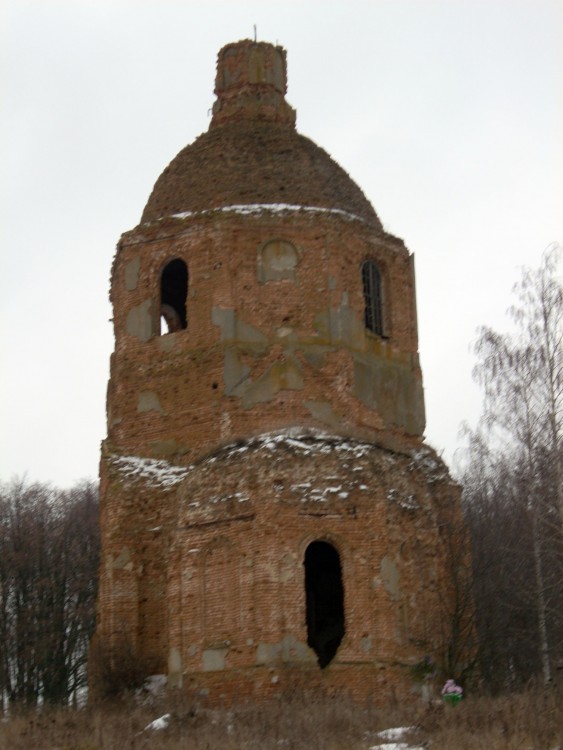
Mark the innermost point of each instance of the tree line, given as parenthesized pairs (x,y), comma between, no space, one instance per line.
(512,478)
(49,556)
(513,486)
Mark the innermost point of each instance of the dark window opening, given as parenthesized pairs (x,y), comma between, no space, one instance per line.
(173,296)
(325,601)
(373,315)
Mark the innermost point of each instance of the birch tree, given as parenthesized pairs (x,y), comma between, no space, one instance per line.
(513,479)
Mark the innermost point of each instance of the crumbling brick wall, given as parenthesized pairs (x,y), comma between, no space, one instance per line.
(213,579)
(270,425)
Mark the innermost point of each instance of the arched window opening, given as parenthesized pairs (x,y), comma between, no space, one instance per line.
(325,601)
(173,296)
(373,312)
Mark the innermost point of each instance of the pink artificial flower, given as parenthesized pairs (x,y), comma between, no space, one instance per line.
(450,688)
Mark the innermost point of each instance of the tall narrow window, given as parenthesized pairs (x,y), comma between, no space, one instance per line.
(373,314)
(173,296)
(325,601)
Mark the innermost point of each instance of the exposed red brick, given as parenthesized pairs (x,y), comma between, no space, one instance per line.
(273,420)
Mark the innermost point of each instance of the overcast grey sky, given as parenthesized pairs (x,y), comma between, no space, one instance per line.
(447,113)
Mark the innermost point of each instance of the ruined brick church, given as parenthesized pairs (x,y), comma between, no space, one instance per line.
(271,516)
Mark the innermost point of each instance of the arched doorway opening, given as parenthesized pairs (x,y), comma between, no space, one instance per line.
(325,600)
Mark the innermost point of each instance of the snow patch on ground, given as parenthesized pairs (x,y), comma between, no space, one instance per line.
(397,736)
(153,687)
(161,723)
(394,733)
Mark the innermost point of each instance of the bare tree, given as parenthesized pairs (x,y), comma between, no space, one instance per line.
(513,478)
(460,652)
(49,552)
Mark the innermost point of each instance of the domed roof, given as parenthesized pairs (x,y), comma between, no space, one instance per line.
(252,153)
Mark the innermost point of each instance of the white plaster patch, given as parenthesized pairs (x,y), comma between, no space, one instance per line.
(174,661)
(366,643)
(132,273)
(213,659)
(148,401)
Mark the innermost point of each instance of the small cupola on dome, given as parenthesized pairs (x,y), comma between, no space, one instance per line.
(252,153)
(251,83)
(271,517)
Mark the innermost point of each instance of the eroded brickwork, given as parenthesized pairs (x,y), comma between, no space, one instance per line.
(270,436)
(259,355)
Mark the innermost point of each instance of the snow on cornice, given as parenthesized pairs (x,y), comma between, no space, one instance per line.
(255,209)
(157,473)
(161,473)
(312,441)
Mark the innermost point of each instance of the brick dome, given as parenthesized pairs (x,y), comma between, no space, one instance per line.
(252,153)
(271,519)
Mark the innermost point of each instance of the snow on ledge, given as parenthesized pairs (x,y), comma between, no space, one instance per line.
(255,209)
(305,442)
(154,472)
(161,473)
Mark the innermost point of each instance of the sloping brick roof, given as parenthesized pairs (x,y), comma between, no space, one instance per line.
(252,153)
(249,162)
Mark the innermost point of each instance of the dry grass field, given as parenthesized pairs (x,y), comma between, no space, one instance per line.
(532,720)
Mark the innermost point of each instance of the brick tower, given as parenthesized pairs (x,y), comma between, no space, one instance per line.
(270,513)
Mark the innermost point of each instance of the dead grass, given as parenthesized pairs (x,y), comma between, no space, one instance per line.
(532,720)
(528,721)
